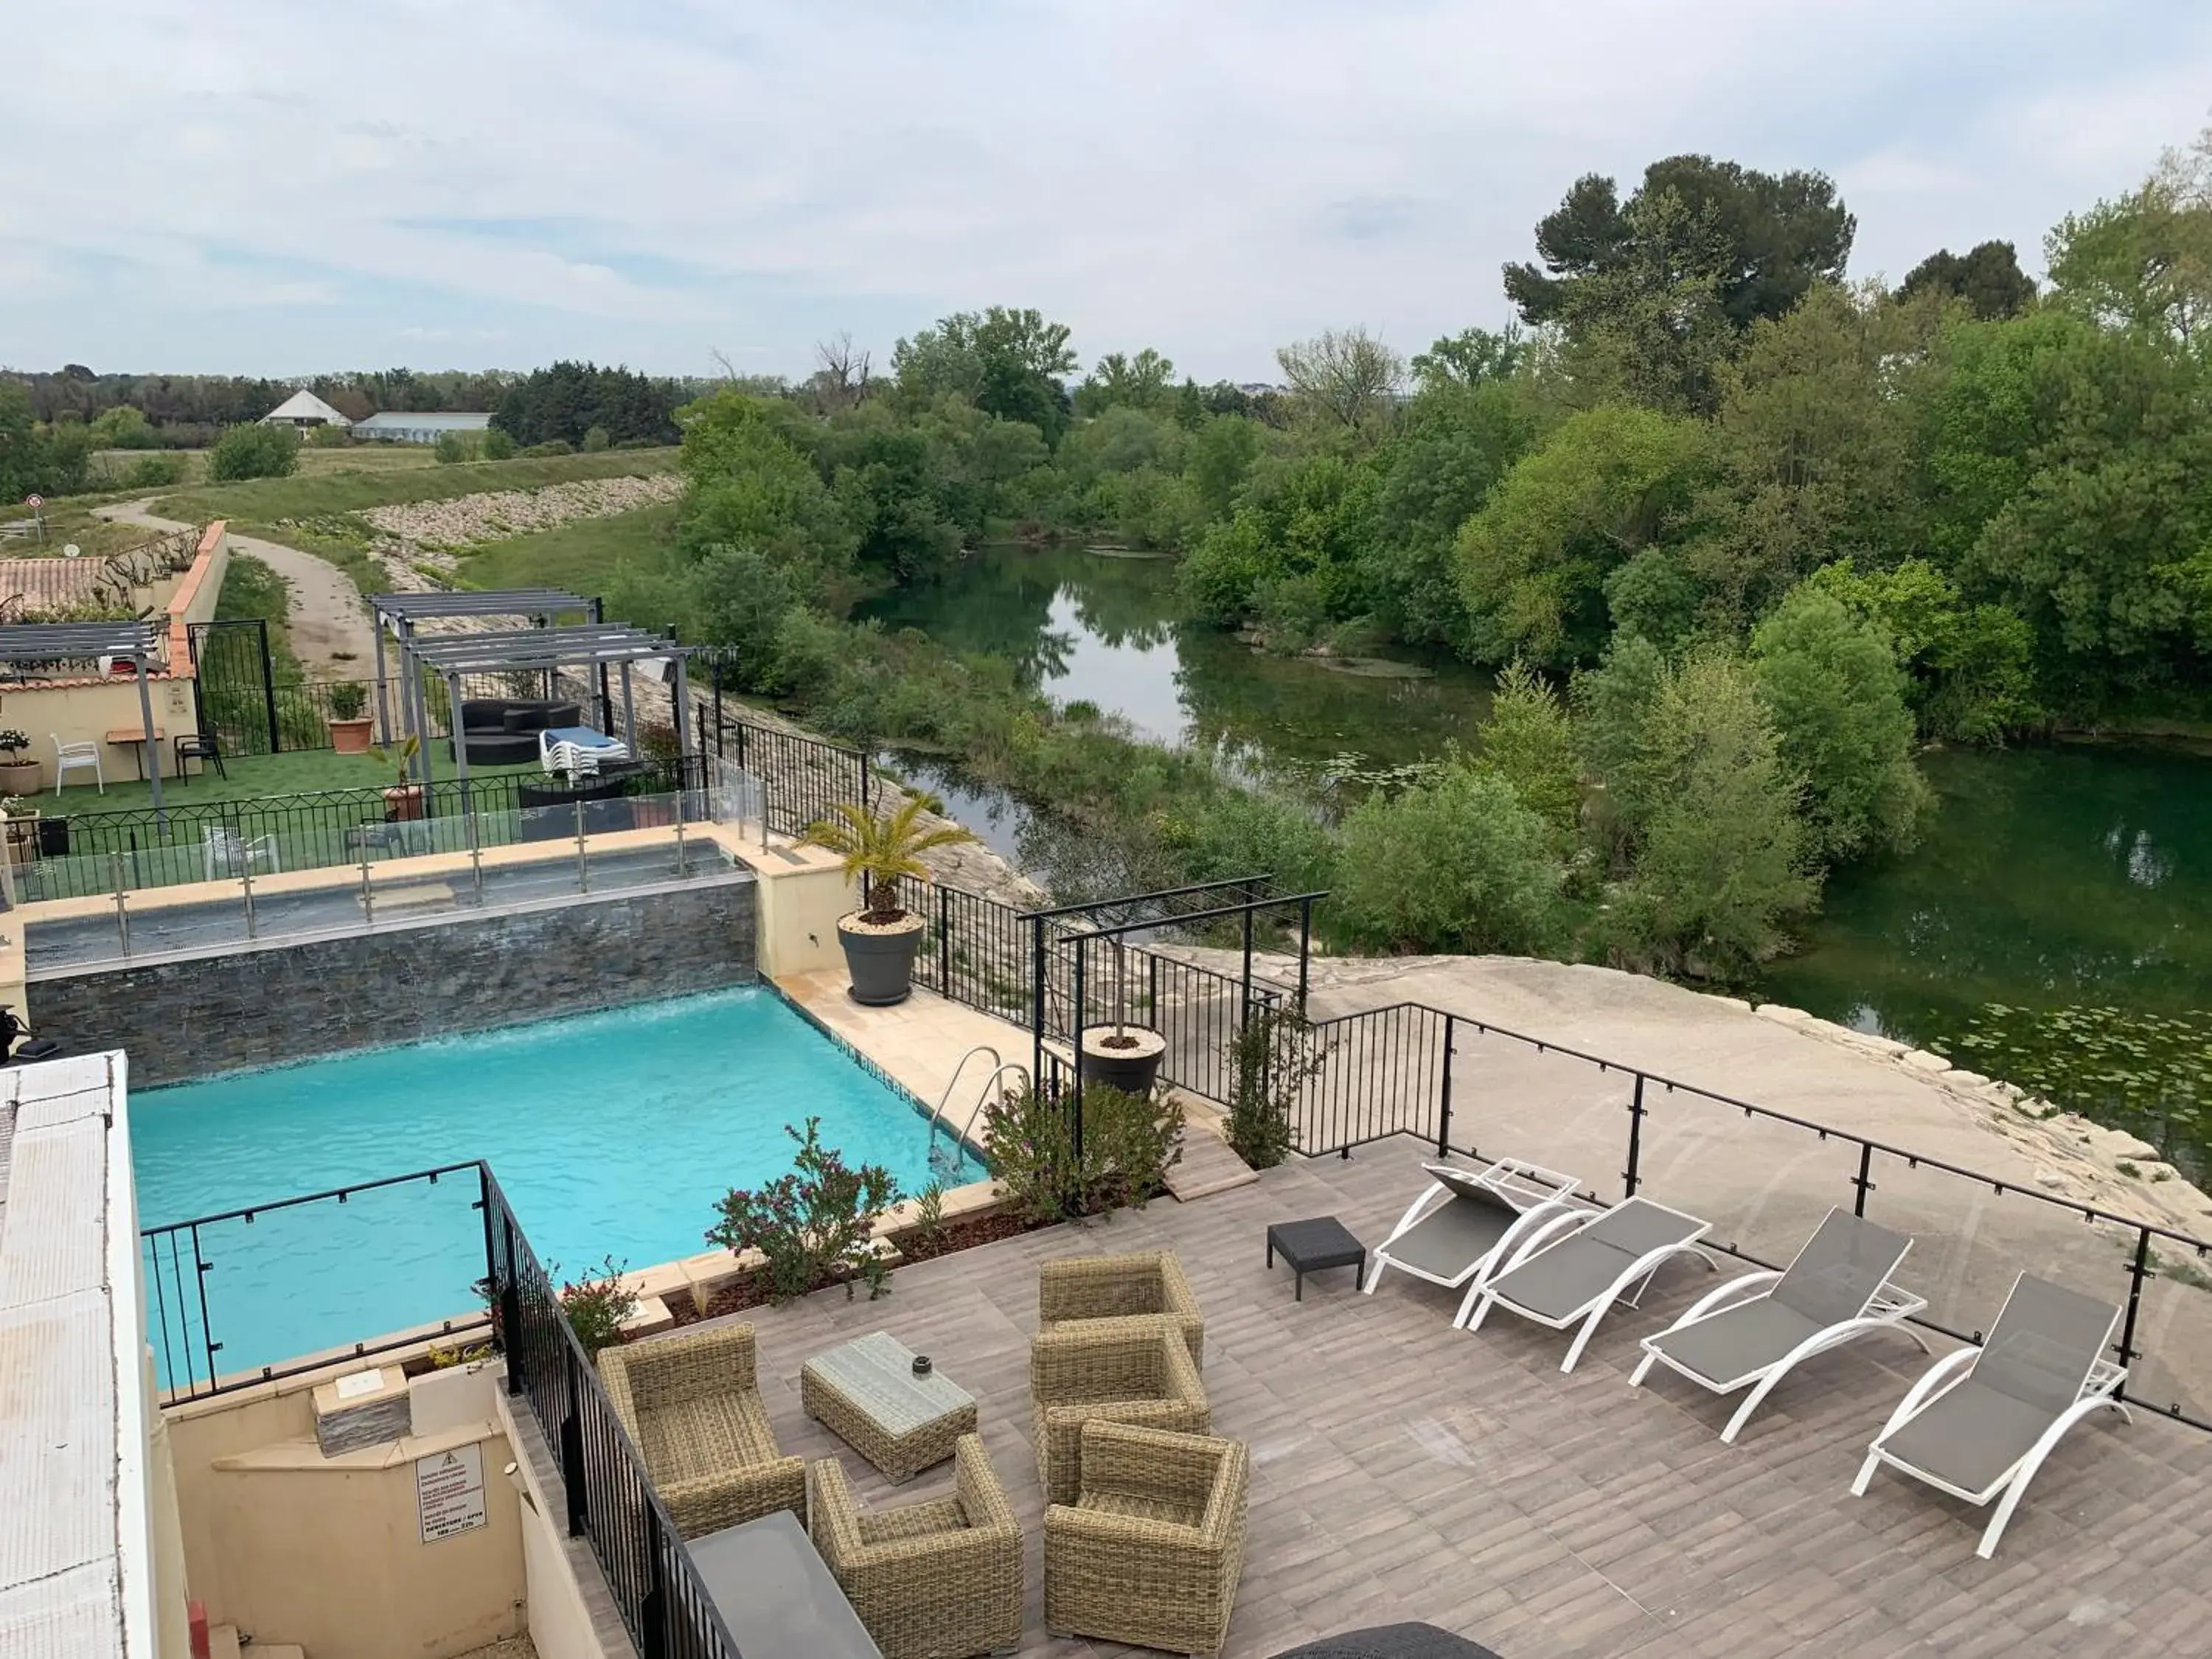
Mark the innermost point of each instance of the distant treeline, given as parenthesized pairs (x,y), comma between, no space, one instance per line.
(565,402)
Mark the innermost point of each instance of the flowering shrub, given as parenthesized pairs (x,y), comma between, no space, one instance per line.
(1129,1142)
(816,1225)
(596,1304)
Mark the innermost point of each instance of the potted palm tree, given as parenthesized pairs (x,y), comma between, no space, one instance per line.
(881,937)
(403,800)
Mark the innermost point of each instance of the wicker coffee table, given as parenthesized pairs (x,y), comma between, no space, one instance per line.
(865,1393)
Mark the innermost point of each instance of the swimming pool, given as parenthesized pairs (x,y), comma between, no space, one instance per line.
(612,1133)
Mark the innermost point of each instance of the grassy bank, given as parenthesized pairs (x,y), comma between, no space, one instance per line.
(588,557)
(309,494)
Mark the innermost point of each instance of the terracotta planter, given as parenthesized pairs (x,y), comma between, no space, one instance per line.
(1132,1070)
(647,813)
(19,777)
(403,804)
(879,957)
(352,737)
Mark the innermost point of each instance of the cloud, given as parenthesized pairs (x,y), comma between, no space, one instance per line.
(259,180)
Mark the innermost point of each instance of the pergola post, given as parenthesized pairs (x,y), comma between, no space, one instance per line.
(606,702)
(152,749)
(383,688)
(460,748)
(683,736)
(629,714)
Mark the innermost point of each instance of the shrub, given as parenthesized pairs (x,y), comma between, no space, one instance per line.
(816,1225)
(1458,864)
(1129,1143)
(328,437)
(449,448)
(1272,1059)
(154,471)
(348,699)
(254,451)
(551,446)
(497,446)
(597,440)
(596,1304)
(658,742)
(13,743)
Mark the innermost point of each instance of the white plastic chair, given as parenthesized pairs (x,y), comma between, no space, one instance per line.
(225,852)
(75,757)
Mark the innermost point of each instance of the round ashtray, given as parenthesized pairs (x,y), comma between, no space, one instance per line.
(921,1364)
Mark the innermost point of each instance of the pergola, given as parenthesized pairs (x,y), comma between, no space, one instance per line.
(45,644)
(593,644)
(398,614)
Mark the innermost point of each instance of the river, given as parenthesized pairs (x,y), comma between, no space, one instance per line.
(2054,926)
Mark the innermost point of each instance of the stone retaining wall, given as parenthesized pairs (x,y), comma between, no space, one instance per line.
(182,1019)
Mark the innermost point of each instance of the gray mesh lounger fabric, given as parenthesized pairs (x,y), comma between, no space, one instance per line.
(1390,1641)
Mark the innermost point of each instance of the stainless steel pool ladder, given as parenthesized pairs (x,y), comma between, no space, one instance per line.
(1001,1068)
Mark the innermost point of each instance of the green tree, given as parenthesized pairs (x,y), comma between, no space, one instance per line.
(1005,361)
(1530,742)
(1458,865)
(1833,684)
(2143,261)
(253,450)
(1987,277)
(1140,382)
(751,489)
(1705,813)
(1219,456)
(1971,667)
(1305,522)
(1533,562)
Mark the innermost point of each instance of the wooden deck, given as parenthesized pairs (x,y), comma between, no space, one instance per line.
(1403,1470)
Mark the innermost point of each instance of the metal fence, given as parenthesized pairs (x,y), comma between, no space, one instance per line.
(88,854)
(608,1498)
(207,1292)
(1764,1178)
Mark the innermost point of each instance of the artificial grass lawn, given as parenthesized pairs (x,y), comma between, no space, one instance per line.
(253,777)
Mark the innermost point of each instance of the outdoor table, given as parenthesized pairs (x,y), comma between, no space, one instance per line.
(776,1595)
(134,738)
(1309,1246)
(867,1394)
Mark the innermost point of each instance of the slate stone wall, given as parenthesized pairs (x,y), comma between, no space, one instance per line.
(186,1019)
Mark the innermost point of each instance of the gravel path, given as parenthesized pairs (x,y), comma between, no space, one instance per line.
(331,631)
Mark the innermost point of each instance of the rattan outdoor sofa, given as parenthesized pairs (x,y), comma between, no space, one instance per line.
(940,1579)
(690,1403)
(1072,1289)
(1151,1549)
(1121,1370)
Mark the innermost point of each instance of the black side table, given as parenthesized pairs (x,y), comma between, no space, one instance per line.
(1309,1246)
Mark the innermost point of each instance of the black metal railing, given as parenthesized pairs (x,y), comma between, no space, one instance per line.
(199,1278)
(608,1498)
(803,777)
(83,854)
(1764,1178)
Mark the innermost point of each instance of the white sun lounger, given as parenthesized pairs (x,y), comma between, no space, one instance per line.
(1752,1331)
(1460,1220)
(1979,1422)
(1573,1264)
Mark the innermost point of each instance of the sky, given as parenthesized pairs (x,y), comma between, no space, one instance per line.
(265,187)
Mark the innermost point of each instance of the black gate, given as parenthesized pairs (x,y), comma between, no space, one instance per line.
(234,684)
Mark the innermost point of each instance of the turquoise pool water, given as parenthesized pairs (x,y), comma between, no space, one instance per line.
(612,1133)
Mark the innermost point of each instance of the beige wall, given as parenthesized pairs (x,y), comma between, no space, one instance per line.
(801,895)
(560,1624)
(326,1553)
(86,711)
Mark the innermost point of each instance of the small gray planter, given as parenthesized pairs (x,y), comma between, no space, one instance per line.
(880,960)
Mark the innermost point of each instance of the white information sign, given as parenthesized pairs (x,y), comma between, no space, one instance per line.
(449,1493)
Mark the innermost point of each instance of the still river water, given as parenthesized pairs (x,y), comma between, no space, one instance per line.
(2054,926)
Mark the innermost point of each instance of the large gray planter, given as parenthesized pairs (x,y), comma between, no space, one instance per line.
(1132,1070)
(880,958)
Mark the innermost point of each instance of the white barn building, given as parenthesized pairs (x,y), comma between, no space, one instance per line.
(400,427)
(302,409)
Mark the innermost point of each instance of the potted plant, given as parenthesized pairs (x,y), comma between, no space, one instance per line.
(880,938)
(1118,1054)
(350,730)
(22,817)
(19,771)
(403,800)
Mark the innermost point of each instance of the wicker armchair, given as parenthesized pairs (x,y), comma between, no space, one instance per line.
(690,1404)
(1120,1371)
(1079,1287)
(934,1580)
(1152,1549)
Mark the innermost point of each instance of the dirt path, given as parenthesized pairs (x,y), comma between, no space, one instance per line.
(331,631)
